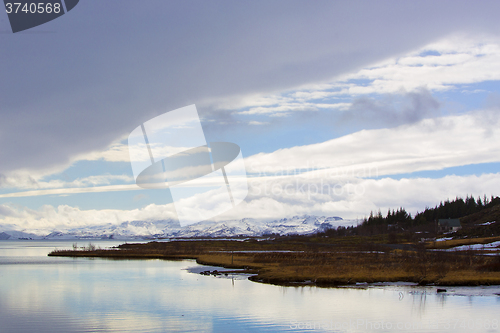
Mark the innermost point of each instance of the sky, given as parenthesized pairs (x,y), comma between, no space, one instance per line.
(339,108)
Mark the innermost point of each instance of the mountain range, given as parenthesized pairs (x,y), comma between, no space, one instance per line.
(247,227)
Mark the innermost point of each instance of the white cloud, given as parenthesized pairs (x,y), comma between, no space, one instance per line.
(116,152)
(453,60)
(296,106)
(63,216)
(23,181)
(119,152)
(431,144)
(200,183)
(439,66)
(33,178)
(71,190)
(355,198)
(278,198)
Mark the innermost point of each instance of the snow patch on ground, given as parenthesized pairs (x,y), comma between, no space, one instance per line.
(487,223)
(490,247)
(444,239)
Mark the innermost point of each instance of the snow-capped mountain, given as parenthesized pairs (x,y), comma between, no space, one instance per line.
(251,227)
(301,225)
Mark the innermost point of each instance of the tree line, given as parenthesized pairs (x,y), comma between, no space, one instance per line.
(445,210)
(400,221)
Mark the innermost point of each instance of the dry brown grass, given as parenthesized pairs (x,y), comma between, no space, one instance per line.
(321,265)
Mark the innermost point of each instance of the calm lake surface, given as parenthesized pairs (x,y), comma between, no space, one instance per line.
(53,294)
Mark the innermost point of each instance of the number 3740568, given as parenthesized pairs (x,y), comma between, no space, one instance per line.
(32,8)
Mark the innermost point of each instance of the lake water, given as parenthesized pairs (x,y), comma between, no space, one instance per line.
(55,294)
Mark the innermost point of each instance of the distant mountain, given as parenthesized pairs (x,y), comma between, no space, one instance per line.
(250,227)
(297,225)
(4,236)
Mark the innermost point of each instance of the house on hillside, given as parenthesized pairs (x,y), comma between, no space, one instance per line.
(449,225)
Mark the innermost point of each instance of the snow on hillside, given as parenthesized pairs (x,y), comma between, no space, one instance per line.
(302,225)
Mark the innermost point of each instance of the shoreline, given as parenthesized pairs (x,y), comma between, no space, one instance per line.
(288,263)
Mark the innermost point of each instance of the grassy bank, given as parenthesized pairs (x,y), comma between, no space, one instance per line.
(320,261)
(459,242)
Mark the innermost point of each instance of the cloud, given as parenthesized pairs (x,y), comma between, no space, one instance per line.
(253,122)
(74,190)
(26,182)
(6,211)
(200,183)
(140,197)
(77,95)
(116,152)
(18,181)
(64,217)
(415,106)
(281,108)
(439,66)
(455,60)
(430,144)
(278,198)
(355,198)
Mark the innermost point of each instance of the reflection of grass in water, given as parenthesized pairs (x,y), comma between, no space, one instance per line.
(320,261)
(90,247)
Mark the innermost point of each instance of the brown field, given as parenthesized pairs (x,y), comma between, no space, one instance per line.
(320,261)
